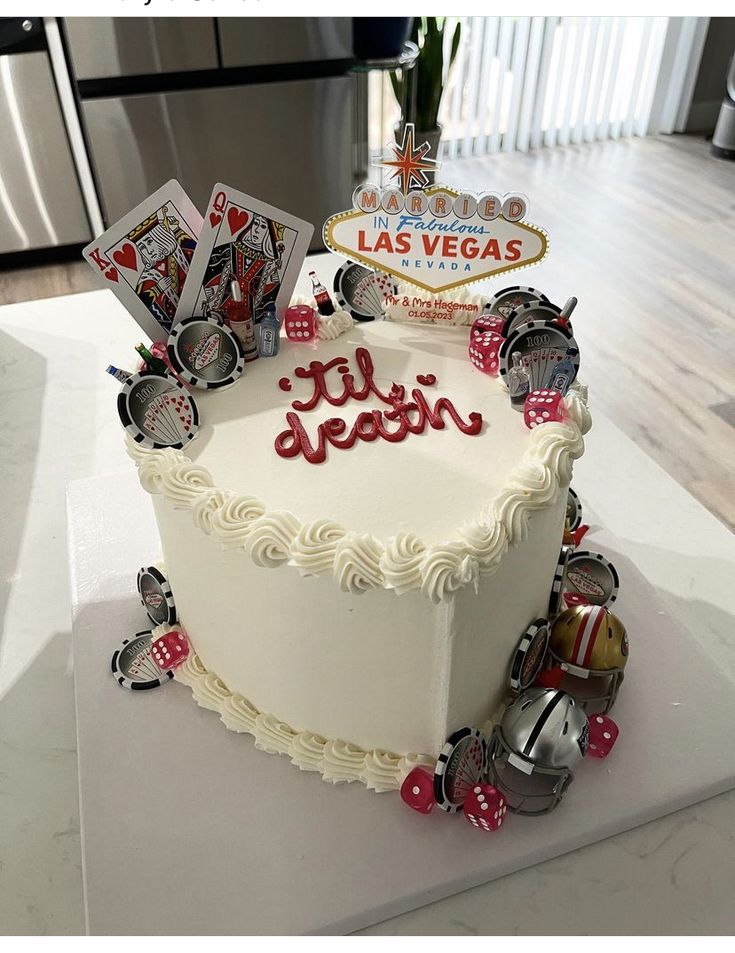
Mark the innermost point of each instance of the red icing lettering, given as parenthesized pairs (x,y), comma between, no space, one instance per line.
(393,425)
(317,372)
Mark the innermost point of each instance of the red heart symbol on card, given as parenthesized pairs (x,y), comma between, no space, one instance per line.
(426,380)
(126,256)
(237,219)
(111,275)
(214,219)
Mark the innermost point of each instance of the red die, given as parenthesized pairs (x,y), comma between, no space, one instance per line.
(484,351)
(485,807)
(300,322)
(575,599)
(170,649)
(488,322)
(417,791)
(543,407)
(603,735)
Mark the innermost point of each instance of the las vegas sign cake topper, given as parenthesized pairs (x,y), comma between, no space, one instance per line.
(432,236)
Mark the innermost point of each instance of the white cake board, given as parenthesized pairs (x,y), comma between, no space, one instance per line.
(188,829)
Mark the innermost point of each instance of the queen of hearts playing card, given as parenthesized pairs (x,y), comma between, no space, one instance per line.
(245,240)
(146,257)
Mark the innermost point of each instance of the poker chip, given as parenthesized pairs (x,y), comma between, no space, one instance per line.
(156,596)
(133,666)
(508,300)
(361,292)
(574,510)
(542,346)
(593,576)
(541,310)
(459,767)
(557,585)
(529,656)
(205,353)
(157,411)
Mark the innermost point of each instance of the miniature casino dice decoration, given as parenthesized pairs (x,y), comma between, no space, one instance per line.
(417,791)
(488,322)
(485,807)
(301,322)
(484,350)
(603,735)
(170,649)
(575,599)
(543,407)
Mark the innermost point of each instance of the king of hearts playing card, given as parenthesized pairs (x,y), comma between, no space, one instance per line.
(248,241)
(146,257)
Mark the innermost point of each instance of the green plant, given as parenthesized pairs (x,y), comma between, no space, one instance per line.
(428,73)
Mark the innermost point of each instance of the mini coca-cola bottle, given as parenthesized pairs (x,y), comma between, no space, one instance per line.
(323,301)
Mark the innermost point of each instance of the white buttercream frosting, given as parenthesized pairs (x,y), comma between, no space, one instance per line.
(329,327)
(404,561)
(314,548)
(270,538)
(401,562)
(335,325)
(334,759)
(357,563)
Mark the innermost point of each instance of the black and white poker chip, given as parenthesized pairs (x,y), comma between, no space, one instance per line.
(205,353)
(508,300)
(157,411)
(133,666)
(593,576)
(574,509)
(156,596)
(555,599)
(542,345)
(529,656)
(459,767)
(361,292)
(541,310)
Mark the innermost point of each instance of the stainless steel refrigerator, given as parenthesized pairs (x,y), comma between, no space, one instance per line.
(41,204)
(263,104)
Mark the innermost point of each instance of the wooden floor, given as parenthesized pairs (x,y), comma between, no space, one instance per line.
(642,231)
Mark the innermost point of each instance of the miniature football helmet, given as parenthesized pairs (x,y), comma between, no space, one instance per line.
(534,750)
(590,643)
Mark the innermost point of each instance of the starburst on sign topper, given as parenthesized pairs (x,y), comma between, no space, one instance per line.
(409,162)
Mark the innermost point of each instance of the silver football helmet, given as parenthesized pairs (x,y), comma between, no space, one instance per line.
(534,750)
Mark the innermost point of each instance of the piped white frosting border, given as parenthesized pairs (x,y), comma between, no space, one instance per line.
(358,561)
(335,760)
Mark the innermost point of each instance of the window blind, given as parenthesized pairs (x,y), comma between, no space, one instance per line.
(521,83)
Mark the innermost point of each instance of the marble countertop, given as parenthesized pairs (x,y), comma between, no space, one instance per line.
(673,875)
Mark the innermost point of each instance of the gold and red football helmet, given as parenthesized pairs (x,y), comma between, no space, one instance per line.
(590,644)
